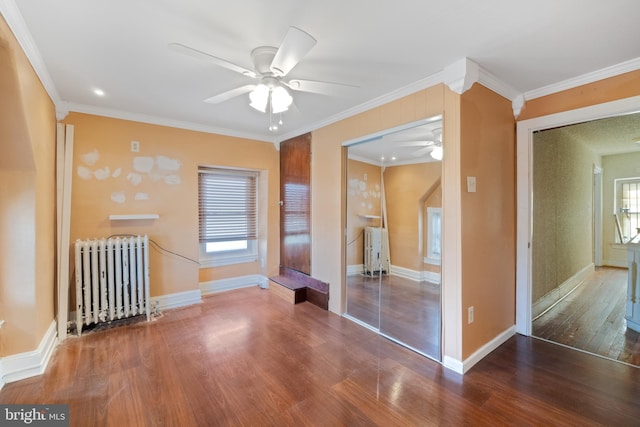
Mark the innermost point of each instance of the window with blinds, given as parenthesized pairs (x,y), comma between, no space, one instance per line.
(227,215)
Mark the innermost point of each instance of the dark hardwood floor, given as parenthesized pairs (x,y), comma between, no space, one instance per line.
(591,318)
(403,309)
(249,358)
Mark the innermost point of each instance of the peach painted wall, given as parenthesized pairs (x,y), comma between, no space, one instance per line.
(108,178)
(488,216)
(328,181)
(611,89)
(405,188)
(27,201)
(363,198)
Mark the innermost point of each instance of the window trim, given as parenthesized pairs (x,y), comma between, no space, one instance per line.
(216,259)
(617,188)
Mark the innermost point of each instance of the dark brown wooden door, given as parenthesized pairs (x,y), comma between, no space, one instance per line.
(295,209)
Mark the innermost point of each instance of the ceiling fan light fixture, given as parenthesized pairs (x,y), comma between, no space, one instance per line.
(280,99)
(259,97)
(436,153)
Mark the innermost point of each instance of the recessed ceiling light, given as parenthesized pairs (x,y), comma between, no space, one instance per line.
(636,140)
(393,158)
(98,92)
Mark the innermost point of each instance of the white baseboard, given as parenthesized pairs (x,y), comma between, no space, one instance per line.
(31,363)
(462,367)
(432,277)
(215,286)
(179,299)
(557,294)
(355,269)
(415,275)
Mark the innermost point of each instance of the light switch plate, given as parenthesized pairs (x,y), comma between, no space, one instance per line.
(471,184)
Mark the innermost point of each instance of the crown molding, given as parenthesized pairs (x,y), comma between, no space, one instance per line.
(461,75)
(161,121)
(414,87)
(15,21)
(594,76)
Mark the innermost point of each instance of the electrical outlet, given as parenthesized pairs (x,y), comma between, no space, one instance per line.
(135,146)
(470,315)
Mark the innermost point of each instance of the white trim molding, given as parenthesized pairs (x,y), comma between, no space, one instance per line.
(13,17)
(178,299)
(554,296)
(462,367)
(461,75)
(355,269)
(604,73)
(29,364)
(222,285)
(417,276)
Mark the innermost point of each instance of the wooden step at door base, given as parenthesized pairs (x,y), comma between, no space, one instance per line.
(296,287)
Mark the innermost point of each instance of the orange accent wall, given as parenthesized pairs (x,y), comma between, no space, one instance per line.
(27,201)
(108,178)
(488,216)
(405,187)
(618,87)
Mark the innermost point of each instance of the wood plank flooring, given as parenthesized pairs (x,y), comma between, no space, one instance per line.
(403,309)
(248,358)
(591,318)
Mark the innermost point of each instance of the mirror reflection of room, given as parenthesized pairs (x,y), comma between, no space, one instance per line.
(394,202)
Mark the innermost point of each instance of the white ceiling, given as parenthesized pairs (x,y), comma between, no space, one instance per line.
(404,146)
(386,48)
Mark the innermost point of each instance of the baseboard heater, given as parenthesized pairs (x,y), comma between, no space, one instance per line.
(112,279)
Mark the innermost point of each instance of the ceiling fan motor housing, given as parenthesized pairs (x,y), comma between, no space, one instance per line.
(262,58)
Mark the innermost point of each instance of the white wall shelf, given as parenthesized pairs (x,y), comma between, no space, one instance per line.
(369,216)
(133,217)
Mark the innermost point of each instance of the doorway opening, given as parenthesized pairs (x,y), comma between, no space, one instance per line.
(572,268)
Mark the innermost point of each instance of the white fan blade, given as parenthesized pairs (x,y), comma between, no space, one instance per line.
(294,46)
(417,143)
(214,59)
(224,96)
(422,151)
(323,88)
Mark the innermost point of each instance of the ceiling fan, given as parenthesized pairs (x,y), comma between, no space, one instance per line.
(271,67)
(431,143)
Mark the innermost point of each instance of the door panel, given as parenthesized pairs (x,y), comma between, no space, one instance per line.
(295,211)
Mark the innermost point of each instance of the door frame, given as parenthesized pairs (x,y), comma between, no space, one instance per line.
(524,181)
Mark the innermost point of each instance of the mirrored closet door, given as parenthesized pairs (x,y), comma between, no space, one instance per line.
(393,219)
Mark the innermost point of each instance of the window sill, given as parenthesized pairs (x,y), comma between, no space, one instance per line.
(219,262)
(432,261)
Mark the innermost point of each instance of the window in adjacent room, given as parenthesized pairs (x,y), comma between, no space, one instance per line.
(228,216)
(627,208)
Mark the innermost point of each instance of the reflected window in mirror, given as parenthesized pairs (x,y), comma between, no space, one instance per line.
(434,236)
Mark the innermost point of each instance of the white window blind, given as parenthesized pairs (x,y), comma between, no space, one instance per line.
(227,208)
